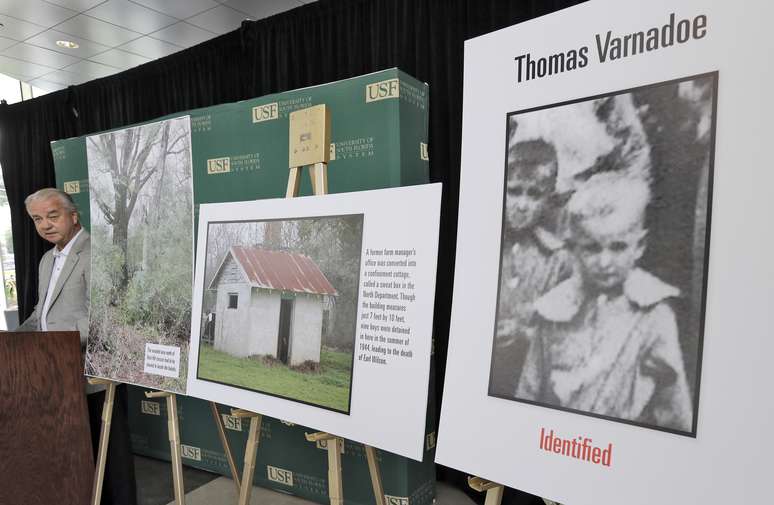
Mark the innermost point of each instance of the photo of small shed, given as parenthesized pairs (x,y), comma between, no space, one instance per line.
(270,303)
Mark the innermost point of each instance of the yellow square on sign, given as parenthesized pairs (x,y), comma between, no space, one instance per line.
(310,136)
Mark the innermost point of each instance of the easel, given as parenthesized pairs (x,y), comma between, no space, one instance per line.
(224,443)
(334,446)
(104,436)
(310,139)
(494,491)
(174,440)
(174,443)
(253,439)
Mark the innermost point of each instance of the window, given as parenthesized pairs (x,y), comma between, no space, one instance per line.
(13,90)
(10,89)
(7,268)
(233,299)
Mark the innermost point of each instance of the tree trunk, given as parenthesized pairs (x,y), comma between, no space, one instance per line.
(273,237)
(120,236)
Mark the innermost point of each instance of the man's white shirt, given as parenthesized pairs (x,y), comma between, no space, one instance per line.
(59,260)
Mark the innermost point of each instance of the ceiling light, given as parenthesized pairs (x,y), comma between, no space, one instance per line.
(67,44)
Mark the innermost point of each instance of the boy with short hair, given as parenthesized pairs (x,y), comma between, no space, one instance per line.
(533,259)
(607,342)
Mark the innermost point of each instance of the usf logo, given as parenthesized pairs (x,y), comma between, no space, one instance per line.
(280,475)
(218,166)
(396,500)
(231,422)
(265,112)
(383,90)
(72,187)
(151,408)
(190,452)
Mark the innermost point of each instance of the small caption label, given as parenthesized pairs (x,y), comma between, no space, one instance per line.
(162,360)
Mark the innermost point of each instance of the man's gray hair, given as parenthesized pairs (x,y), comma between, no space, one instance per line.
(46,193)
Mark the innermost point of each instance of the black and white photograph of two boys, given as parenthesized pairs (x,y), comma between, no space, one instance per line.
(604,252)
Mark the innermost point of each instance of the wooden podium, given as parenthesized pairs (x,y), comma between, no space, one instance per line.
(45,443)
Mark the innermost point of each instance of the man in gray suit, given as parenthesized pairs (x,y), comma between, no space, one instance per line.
(63,304)
(65,270)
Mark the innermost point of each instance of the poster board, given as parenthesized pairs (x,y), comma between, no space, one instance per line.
(141,223)
(369,387)
(603,322)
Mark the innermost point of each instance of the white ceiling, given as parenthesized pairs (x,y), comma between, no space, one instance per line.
(113,35)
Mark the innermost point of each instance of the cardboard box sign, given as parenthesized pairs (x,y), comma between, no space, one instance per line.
(310,136)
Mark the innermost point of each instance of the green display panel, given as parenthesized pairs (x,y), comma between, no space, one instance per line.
(379,127)
(72,173)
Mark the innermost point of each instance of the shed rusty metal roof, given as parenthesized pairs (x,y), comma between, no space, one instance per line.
(282,270)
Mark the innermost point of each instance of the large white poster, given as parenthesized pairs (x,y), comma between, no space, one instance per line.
(319,310)
(610,316)
(141,197)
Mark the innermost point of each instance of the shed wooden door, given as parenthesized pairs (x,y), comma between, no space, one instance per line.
(283,342)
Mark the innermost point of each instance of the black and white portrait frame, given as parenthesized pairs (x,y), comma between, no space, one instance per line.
(665,147)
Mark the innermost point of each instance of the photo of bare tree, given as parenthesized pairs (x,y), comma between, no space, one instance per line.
(141,198)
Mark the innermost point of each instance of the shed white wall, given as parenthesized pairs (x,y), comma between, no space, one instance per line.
(231,325)
(306,330)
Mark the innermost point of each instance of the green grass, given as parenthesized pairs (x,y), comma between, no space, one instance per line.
(329,387)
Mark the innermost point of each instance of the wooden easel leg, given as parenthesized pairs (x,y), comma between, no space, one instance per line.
(494,491)
(104,439)
(294,182)
(320,175)
(173,430)
(494,496)
(253,439)
(175,453)
(225,444)
(312,178)
(335,486)
(335,446)
(376,475)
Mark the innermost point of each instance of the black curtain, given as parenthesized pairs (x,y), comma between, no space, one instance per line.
(320,42)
